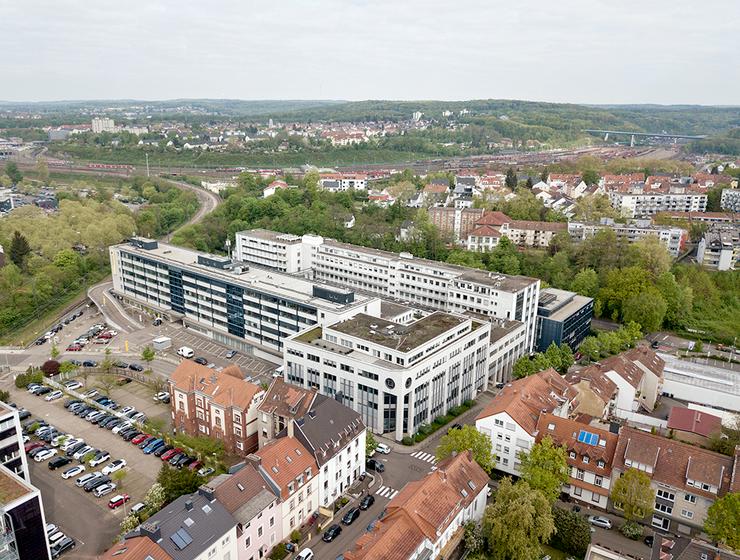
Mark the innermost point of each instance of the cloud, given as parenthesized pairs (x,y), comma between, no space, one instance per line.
(594,51)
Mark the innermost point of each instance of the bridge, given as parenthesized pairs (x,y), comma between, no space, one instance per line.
(632,135)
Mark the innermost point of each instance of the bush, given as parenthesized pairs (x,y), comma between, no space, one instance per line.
(23,380)
(295,536)
(279,552)
(631,530)
(407,440)
(344,500)
(572,532)
(50,368)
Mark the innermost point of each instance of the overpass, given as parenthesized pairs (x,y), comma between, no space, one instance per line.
(632,135)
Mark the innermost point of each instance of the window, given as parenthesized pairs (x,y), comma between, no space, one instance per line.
(586,459)
(687,514)
(259,531)
(595,497)
(598,481)
(600,464)
(660,522)
(664,508)
(579,474)
(498,422)
(690,498)
(292,522)
(665,494)
(577,491)
(272,521)
(292,505)
(572,454)
(248,542)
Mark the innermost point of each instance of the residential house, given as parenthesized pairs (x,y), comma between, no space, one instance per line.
(590,454)
(693,426)
(667,547)
(510,419)
(571,185)
(426,518)
(282,402)
(491,226)
(273,187)
(719,248)
(292,472)
(597,394)
(687,479)
(638,375)
(381,198)
(220,405)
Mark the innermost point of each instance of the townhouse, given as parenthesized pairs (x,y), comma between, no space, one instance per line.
(220,405)
(597,394)
(686,479)
(397,376)
(590,454)
(674,239)
(510,419)
(292,472)
(427,517)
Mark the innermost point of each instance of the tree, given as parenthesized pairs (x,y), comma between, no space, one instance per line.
(67,367)
(721,523)
(652,256)
(19,249)
(552,354)
(42,169)
(13,173)
(648,309)
(517,523)
(586,283)
(590,177)
(572,533)
(523,367)
(129,523)
(370,444)
(107,364)
(590,348)
(147,354)
(155,497)
(118,477)
(467,438)
(511,180)
(545,468)
(106,383)
(177,482)
(530,184)
(50,368)
(4,396)
(633,495)
(54,353)
(567,358)
(473,537)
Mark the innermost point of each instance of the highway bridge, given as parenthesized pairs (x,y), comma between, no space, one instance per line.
(632,135)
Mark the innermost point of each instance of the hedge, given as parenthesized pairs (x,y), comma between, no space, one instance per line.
(425,430)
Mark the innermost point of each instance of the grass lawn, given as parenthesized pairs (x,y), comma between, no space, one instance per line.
(554,553)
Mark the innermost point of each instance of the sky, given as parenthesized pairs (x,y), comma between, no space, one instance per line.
(576,51)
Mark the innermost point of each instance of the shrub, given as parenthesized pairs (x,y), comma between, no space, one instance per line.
(279,552)
(425,429)
(572,532)
(295,536)
(50,368)
(631,530)
(344,501)
(407,440)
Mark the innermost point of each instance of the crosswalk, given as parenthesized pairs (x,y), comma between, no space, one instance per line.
(421,455)
(386,492)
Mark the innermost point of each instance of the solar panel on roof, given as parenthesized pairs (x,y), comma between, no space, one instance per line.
(588,438)
(181,539)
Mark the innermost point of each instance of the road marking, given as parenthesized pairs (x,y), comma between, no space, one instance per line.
(423,456)
(386,492)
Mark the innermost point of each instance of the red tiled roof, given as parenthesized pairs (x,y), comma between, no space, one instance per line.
(436,189)
(565,431)
(226,388)
(135,548)
(284,460)
(694,421)
(485,231)
(493,219)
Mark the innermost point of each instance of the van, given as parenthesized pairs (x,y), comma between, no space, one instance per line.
(186,352)
(305,554)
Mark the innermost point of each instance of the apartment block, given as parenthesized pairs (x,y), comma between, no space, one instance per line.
(340,182)
(563,317)
(672,238)
(657,195)
(249,308)
(220,405)
(719,249)
(12,456)
(396,376)
(730,200)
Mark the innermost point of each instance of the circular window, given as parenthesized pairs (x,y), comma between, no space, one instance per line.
(390,384)
(408,383)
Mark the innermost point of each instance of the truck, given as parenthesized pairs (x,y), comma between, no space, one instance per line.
(185,352)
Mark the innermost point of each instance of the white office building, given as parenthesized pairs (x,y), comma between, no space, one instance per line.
(400,277)
(397,376)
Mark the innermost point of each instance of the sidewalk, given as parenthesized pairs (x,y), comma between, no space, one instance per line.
(468,417)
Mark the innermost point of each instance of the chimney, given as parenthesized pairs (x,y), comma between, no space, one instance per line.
(189,505)
(256,460)
(290,427)
(152,531)
(207,492)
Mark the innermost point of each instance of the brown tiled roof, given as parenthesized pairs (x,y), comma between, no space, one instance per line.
(423,508)
(525,399)
(694,421)
(286,400)
(226,388)
(284,460)
(233,491)
(600,384)
(135,548)
(485,231)
(633,364)
(565,432)
(674,461)
(436,189)
(493,219)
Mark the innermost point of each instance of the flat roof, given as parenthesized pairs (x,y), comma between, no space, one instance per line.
(701,375)
(578,302)
(12,486)
(261,279)
(389,309)
(397,336)
(270,235)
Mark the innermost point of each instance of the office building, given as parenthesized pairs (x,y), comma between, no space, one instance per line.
(401,277)
(12,455)
(398,376)
(248,308)
(563,318)
(22,521)
(672,238)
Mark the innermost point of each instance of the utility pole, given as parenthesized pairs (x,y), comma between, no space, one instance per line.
(147,164)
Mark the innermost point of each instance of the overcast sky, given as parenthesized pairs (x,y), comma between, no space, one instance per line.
(581,51)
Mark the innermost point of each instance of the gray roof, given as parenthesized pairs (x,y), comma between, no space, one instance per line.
(206,523)
(329,422)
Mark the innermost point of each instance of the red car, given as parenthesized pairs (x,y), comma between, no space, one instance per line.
(31,445)
(117,501)
(169,454)
(195,465)
(105,336)
(138,439)
(74,348)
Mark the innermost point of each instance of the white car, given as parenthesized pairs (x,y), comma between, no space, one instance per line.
(91,393)
(126,409)
(59,440)
(54,395)
(72,385)
(114,466)
(597,520)
(121,427)
(82,452)
(74,471)
(32,387)
(71,442)
(100,460)
(44,455)
(51,529)
(161,395)
(26,439)
(101,491)
(136,508)
(383,448)
(55,537)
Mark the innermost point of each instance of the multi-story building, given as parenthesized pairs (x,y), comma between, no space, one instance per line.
(563,318)
(292,473)
(340,182)
(657,195)
(686,479)
(22,522)
(673,238)
(397,376)
(455,222)
(590,454)
(508,343)
(719,248)
(510,419)
(427,517)
(103,124)
(638,376)
(249,308)
(11,442)
(220,405)
(730,200)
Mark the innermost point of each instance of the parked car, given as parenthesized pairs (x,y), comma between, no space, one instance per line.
(31,445)
(44,455)
(137,508)
(169,454)
(305,554)
(649,540)
(161,450)
(104,489)
(73,385)
(200,360)
(93,484)
(375,465)
(161,396)
(114,466)
(138,439)
(74,348)
(351,515)
(147,441)
(99,459)
(136,367)
(90,363)
(73,471)
(117,501)
(599,521)
(85,478)
(230,354)
(23,414)
(383,448)
(206,471)
(44,390)
(80,453)
(331,533)
(62,546)
(367,501)
(57,462)
(153,446)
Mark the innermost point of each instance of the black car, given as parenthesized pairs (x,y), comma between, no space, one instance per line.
(366,502)
(454,427)
(57,462)
(655,344)
(23,414)
(131,434)
(43,391)
(40,341)
(350,516)
(162,450)
(649,540)
(38,450)
(62,546)
(75,448)
(184,461)
(175,458)
(90,363)
(135,367)
(77,363)
(122,365)
(331,533)
(201,361)
(93,484)
(375,465)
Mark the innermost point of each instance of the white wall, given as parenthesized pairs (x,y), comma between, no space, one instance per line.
(499,427)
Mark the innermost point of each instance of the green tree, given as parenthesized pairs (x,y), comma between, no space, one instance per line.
(370,444)
(54,352)
(177,482)
(572,532)
(155,497)
(721,523)
(523,367)
(13,173)
(652,256)
(545,468)
(678,299)
(19,249)
(517,523)
(473,537)
(566,358)
(648,309)
(511,180)
(107,364)
(590,176)
(553,356)
(67,368)
(633,495)
(147,354)
(590,348)
(106,382)
(586,283)
(129,523)
(4,396)
(467,438)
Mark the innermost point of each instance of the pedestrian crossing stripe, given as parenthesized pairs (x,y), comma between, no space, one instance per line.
(421,455)
(386,492)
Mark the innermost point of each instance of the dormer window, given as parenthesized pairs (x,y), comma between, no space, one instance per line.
(586,459)
(551,427)
(291,488)
(572,454)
